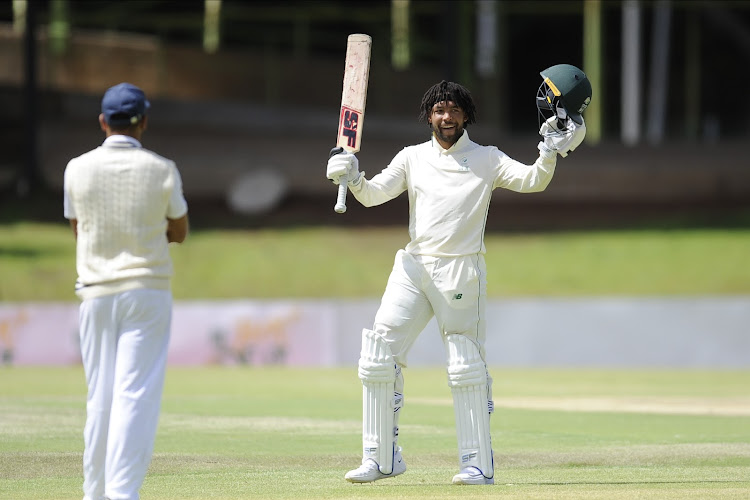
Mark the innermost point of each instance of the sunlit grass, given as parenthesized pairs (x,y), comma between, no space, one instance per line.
(289,433)
(37,263)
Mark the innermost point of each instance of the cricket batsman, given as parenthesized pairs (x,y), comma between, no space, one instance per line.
(441,271)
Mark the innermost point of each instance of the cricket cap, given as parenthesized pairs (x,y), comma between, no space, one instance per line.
(124,104)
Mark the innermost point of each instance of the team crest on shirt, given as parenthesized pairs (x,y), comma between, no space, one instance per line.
(463,165)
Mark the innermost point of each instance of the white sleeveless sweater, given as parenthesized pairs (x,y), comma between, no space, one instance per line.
(121,196)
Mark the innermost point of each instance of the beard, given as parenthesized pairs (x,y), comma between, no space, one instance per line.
(450,136)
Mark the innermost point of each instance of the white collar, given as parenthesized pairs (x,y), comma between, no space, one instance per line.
(120,139)
(459,144)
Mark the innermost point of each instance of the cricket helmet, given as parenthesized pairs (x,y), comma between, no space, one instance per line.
(565,91)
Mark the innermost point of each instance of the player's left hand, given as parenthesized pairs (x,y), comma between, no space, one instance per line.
(562,139)
(343,167)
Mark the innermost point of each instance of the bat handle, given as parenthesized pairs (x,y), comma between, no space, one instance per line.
(340,207)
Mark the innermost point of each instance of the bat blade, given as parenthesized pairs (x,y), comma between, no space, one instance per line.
(353,100)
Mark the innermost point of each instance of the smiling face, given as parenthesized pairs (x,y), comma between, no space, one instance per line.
(447,121)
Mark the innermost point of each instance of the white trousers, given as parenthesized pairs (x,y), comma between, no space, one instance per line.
(452,289)
(124,342)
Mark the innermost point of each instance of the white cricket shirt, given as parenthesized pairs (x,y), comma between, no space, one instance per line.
(121,195)
(450,190)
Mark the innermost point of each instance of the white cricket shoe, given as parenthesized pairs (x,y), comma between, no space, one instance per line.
(472,475)
(369,471)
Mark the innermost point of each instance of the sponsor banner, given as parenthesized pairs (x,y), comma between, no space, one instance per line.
(704,332)
(252,333)
(39,334)
(241,333)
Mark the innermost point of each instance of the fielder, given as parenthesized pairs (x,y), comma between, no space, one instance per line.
(125,204)
(441,271)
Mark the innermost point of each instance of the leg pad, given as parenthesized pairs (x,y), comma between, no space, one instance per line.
(472,401)
(382,399)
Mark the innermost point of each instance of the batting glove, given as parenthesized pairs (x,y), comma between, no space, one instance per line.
(561,139)
(343,166)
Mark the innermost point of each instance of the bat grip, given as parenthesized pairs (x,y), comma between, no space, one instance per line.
(340,206)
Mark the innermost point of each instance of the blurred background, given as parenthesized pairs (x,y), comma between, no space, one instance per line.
(245,98)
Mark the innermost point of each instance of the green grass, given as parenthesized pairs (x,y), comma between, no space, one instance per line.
(283,433)
(37,263)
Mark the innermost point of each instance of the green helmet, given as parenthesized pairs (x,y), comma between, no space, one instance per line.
(566,87)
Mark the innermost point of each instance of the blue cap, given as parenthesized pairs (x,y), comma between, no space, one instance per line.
(124,104)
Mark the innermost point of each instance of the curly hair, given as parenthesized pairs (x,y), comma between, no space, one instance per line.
(448,91)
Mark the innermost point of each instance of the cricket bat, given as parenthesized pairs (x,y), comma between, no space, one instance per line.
(353,99)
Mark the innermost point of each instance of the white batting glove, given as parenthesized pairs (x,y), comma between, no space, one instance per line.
(343,166)
(561,140)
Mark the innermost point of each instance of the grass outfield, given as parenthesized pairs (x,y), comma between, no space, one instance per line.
(37,263)
(282,433)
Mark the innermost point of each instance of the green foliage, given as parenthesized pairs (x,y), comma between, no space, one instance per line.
(291,433)
(37,263)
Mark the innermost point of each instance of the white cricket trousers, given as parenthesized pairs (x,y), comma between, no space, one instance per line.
(124,342)
(452,289)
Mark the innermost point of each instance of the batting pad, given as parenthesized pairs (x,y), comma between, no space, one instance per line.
(382,398)
(472,402)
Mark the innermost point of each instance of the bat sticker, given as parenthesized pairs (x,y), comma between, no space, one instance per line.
(349,128)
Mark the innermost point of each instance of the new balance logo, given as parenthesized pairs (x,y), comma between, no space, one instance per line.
(458,296)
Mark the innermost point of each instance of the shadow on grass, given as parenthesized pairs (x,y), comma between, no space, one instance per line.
(25,252)
(615,483)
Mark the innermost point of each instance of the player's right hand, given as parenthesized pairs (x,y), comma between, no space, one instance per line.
(343,166)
